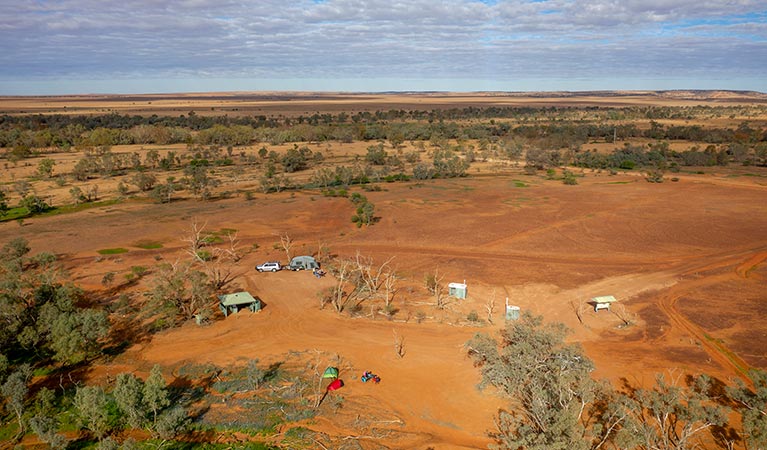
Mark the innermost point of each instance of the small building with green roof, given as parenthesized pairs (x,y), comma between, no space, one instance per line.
(232,303)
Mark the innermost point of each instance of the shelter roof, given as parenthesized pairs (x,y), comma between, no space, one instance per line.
(604,299)
(238,298)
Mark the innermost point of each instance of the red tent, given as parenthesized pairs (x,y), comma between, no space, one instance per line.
(336,384)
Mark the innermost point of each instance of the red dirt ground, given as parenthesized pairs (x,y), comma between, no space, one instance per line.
(685,260)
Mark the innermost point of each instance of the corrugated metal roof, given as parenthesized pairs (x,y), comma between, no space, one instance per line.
(604,299)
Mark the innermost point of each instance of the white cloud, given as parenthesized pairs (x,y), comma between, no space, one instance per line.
(378,39)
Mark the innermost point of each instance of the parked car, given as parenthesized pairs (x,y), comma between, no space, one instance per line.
(303,263)
(270,266)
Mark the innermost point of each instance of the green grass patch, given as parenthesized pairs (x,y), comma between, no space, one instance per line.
(22,212)
(148,245)
(42,371)
(8,431)
(619,182)
(719,344)
(15,213)
(112,251)
(212,239)
(520,184)
(215,237)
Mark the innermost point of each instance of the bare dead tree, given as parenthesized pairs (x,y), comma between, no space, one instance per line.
(358,279)
(399,344)
(623,314)
(372,276)
(195,238)
(490,307)
(287,244)
(577,307)
(390,284)
(342,273)
(218,263)
(232,249)
(436,288)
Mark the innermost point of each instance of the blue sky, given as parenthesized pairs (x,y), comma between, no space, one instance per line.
(143,46)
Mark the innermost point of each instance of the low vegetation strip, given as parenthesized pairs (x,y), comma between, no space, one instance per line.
(112,251)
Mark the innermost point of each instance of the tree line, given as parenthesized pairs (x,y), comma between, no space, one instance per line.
(560,126)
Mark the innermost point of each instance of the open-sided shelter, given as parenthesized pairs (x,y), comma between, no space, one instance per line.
(232,303)
(603,302)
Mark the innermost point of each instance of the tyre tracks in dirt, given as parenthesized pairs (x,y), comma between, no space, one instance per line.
(667,302)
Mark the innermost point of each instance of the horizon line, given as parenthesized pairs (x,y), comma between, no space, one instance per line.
(400,92)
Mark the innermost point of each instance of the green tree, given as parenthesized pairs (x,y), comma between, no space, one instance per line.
(41,314)
(323,177)
(668,416)
(180,288)
(752,405)
(3,203)
(75,335)
(449,165)
(547,380)
(77,195)
(423,171)
(364,215)
(15,390)
(155,392)
(35,204)
(199,181)
(122,189)
(170,423)
(92,405)
(152,158)
(46,428)
(144,181)
(376,155)
(45,167)
(569,178)
(108,279)
(296,159)
(163,193)
(129,396)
